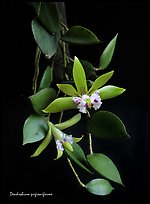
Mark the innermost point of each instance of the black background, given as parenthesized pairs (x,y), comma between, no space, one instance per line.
(20,173)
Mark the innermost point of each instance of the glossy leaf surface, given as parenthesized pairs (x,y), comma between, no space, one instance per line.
(107,125)
(68,89)
(41,99)
(100,81)
(110,91)
(35,128)
(106,56)
(59,104)
(46,78)
(69,123)
(99,187)
(80,35)
(48,43)
(104,165)
(48,14)
(78,156)
(79,76)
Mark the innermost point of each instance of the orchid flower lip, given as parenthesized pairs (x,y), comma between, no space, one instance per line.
(86,101)
(65,138)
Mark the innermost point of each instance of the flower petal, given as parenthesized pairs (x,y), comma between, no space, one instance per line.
(68,89)
(59,154)
(79,76)
(59,104)
(100,81)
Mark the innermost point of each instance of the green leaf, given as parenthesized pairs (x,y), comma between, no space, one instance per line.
(44,144)
(104,165)
(41,99)
(46,78)
(35,128)
(89,69)
(48,15)
(78,156)
(48,43)
(59,104)
(106,125)
(106,56)
(99,187)
(79,76)
(69,123)
(100,81)
(68,89)
(110,91)
(80,35)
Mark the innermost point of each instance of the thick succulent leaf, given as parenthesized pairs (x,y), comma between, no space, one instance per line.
(48,43)
(100,81)
(44,144)
(106,56)
(78,156)
(48,15)
(80,35)
(35,128)
(68,89)
(69,123)
(41,99)
(110,91)
(99,187)
(106,125)
(104,165)
(46,78)
(60,104)
(79,76)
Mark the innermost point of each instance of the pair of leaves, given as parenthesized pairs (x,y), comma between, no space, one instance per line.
(106,168)
(47,13)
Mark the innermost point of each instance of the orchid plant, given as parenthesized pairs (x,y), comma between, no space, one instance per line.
(60,90)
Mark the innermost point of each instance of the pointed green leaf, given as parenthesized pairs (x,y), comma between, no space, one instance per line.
(80,35)
(99,187)
(59,104)
(46,78)
(41,99)
(48,14)
(48,43)
(106,125)
(69,123)
(106,56)
(79,76)
(68,89)
(100,81)
(44,144)
(78,156)
(110,91)
(35,128)
(104,165)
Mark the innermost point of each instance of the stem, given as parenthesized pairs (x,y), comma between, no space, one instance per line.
(90,137)
(36,71)
(75,173)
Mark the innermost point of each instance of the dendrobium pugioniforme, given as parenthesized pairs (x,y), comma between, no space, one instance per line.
(82,98)
(62,140)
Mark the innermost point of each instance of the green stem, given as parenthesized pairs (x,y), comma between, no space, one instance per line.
(76,175)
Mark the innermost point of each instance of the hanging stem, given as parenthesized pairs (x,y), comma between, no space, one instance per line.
(76,175)
(90,137)
(36,71)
